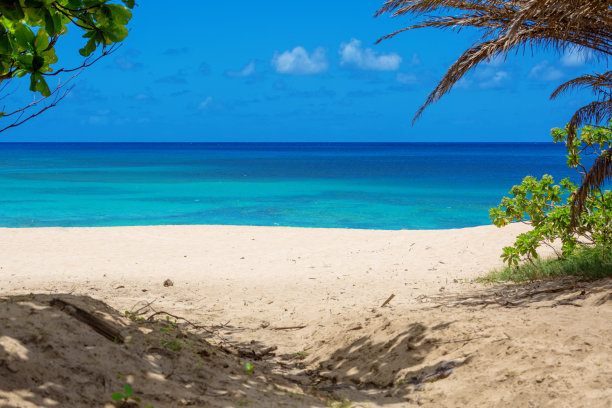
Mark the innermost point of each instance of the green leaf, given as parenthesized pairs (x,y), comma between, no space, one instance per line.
(5,45)
(42,87)
(41,41)
(53,24)
(38,83)
(25,61)
(24,36)
(128,390)
(11,9)
(89,48)
(120,14)
(117,396)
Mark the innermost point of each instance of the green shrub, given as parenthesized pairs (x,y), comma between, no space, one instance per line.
(586,263)
(547,206)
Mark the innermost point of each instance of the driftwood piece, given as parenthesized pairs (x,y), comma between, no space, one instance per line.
(390,298)
(465,340)
(99,325)
(288,327)
(196,326)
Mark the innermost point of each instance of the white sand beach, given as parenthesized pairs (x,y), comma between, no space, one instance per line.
(307,304)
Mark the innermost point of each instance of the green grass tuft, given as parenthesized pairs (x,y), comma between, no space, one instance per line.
(587,263)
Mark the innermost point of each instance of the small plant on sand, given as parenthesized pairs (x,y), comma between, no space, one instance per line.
(249,368)
(547,206)
(342,403)
(135,317)
(300,355)
(171,336)
(127,396)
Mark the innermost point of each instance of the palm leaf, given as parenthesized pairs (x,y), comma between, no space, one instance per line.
(515,25)
(597,175)
(508,25)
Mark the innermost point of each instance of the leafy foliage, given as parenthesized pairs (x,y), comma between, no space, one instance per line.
(30,29)
(586,263)
(547,206)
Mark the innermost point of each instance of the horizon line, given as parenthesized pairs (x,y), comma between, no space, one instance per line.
(268,142)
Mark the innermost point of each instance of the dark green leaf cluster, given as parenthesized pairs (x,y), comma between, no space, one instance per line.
(547,206)
(29,30)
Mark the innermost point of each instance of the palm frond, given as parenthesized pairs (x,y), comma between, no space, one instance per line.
(593,113)
(510,25)
(476,54)
(599,83)
(597,175)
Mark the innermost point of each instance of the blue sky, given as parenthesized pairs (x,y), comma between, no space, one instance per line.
(297,71)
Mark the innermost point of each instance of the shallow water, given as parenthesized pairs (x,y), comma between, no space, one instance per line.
(346,185)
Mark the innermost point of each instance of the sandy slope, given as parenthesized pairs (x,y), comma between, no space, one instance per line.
(442,341)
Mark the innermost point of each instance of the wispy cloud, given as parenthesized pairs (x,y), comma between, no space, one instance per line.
(494,79)
(173,79)
(352,55)
(415,60)
(101,117)
(299,62)
(143,97)
(84,93)
(486,77)
(322,92)
(406,78)
(176,51)
(544,71)
(126,63)
(575,57)
(247,70)
(205,104)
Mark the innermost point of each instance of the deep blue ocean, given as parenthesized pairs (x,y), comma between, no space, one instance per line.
(346,185)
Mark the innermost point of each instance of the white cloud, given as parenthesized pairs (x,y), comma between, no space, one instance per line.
(126,64)
(246,71)
(299,62)
(142,97)
(205,103)
(406,78)
(496,79)
(543,71)
(352,55)
(486,77)
(575,57)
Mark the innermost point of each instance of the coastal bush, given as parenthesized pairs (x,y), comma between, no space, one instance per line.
(547,206)
(587,263)
(30,30)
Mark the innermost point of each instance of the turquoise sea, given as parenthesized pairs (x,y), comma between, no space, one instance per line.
(346,185)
